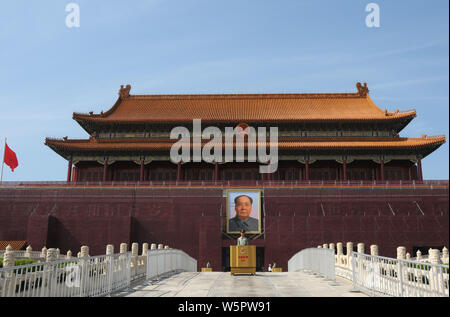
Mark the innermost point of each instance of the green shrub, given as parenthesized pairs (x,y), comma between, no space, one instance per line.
(24,262)
(19,262)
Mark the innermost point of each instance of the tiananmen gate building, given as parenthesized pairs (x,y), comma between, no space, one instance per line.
(344,174)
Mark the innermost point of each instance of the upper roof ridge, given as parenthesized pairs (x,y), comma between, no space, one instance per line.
(363,91)
(248,96)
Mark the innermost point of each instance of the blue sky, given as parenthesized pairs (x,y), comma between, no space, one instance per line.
(48,71)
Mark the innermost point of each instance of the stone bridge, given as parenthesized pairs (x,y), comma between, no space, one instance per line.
(222,284)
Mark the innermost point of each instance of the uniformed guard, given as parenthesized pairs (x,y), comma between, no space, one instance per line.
(242,240)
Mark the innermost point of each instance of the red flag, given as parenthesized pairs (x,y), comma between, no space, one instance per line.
(10,158)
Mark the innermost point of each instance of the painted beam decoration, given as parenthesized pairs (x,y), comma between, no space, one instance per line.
(243,211)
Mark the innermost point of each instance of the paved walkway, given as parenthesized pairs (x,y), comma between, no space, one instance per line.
(222,284)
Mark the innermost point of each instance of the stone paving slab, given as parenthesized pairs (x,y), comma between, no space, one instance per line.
(223,284)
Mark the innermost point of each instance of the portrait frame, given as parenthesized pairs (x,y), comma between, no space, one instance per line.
(255,194)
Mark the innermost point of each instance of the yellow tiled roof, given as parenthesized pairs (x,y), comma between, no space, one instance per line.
(244,108)
(16,245)
(283,143)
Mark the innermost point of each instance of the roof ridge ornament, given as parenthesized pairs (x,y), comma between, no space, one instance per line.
(362,90)
(124,92)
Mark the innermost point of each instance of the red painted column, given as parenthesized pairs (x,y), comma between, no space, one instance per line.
(178,171)
(307,170)
(216,171)
(69,171)
(141,172)
(409,173)
(382,170)
(344,167)
(419,170)
(105,172)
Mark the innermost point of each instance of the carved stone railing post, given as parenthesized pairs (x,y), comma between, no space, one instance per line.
(418,255)
(153,246)
(143,258)
(434,256)
(28,252)
(83,255)
(43,253)
(145,249)
(8,261)
(349,248)
(340,252)
(445,256)
(340,248)
(52,255)
(134,257)
(50,271)
(374,249)
(109,249)
(134,249)
(9,257)
(84,251)
(160,247)
(123,250)
(69,254)
(361,247)
(349,254)
(401,253)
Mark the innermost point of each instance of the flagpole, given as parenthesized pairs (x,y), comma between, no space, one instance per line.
(3,160)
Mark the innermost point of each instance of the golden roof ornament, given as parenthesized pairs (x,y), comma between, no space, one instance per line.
(124,92)
(363,90)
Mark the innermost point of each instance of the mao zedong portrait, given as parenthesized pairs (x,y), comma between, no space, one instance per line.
(242,220)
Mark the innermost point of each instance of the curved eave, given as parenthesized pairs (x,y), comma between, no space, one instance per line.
(83,119)
(402,122)
(103,119)
(420,146)
(62,151)
(398,121)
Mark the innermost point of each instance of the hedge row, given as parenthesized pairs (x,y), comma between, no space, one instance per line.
(19,262)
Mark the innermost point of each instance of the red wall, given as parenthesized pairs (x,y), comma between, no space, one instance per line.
(193,219)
